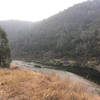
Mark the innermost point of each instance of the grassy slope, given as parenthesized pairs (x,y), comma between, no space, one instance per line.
(23,84)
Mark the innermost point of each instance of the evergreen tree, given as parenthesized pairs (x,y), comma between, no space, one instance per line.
(5,57)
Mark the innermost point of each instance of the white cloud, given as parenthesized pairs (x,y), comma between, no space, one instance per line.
(32,10)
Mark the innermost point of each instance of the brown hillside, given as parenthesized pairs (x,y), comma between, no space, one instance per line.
(22,84)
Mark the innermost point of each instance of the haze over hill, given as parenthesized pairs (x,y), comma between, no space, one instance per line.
(57,58)
(15,28)
(73,34)
(64,29)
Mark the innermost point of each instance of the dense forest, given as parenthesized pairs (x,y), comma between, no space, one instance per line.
(71,35)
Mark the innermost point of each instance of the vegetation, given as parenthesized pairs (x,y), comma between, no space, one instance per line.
(23,84)
(38,66)
(71,34)
(5,58)
(72,37)
(68,41)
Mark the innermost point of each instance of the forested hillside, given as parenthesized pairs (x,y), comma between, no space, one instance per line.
(15,28)
(72,34)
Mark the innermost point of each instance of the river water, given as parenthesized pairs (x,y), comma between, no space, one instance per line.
(63,74)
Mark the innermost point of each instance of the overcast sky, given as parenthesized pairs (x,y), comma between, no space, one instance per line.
(33,10)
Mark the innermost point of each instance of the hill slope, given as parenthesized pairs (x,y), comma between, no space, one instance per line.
(15,28)
(23,84)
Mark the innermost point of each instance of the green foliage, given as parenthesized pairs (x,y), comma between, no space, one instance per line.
(73,33)
(5,58)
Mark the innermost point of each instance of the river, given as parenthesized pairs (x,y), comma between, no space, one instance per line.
(63,74)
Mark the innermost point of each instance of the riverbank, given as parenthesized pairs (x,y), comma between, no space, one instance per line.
(87,72)
(19,83)
(63,74)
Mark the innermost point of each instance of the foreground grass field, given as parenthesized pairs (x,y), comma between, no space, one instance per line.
(23,84)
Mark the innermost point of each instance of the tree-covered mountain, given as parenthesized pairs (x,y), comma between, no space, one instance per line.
(15,28)
(71,34)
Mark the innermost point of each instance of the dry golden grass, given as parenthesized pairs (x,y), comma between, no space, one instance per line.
(23,84)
